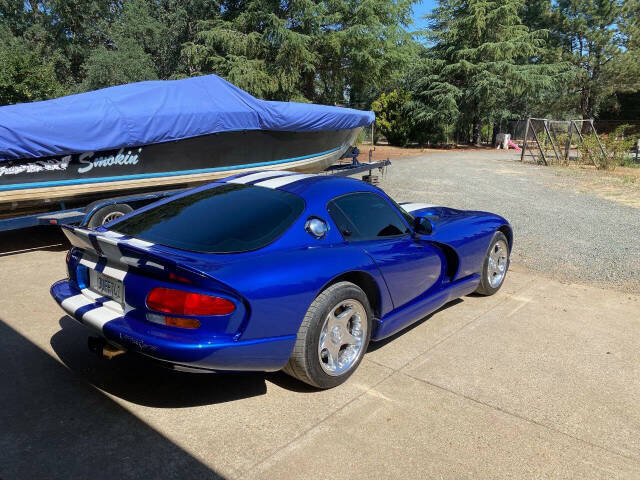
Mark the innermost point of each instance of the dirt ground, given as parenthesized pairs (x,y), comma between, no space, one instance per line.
(621,185)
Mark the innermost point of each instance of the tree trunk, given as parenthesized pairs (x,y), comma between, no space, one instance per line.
(590,92)
(308,88)
(496,130)
(476,133)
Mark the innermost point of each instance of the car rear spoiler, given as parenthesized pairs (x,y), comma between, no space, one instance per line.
(125,251)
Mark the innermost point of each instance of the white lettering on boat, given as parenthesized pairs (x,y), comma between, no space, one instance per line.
(37,166)
(109,160)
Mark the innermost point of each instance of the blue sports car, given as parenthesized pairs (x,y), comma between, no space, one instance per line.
(276,270)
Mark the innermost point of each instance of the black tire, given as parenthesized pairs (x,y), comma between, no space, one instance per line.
(304,363)
(485,287)
(108,213)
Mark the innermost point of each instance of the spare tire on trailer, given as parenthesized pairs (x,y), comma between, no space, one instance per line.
(108,213)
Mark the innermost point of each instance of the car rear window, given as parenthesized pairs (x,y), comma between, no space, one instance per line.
(229,218)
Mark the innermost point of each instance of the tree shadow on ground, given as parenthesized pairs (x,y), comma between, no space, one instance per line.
(55,425)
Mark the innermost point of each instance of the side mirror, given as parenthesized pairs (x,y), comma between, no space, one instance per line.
(422,226)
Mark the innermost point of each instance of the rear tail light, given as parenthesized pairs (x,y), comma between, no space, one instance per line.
(179,302)
(182,322)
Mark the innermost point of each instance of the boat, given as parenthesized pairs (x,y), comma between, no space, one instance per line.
(160,134)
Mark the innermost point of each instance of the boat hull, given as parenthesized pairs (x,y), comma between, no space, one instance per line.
(163,165)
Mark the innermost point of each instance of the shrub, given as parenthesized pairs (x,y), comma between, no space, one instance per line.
(616,149)
(392,119)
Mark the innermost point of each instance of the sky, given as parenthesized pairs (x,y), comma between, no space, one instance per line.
(419,11)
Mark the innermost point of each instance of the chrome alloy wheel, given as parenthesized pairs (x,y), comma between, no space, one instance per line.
(111,217)
(498,262)
(342,337)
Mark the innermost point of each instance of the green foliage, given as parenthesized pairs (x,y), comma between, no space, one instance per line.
(616,146)
(484,64)
(124,63)
(599,38)
(391,117)
(327,51)
(27,69)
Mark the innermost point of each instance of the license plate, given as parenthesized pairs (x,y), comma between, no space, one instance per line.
(107,286)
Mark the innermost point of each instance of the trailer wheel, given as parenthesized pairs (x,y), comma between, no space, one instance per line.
(108,213)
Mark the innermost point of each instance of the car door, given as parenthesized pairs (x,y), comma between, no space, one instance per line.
(409,266)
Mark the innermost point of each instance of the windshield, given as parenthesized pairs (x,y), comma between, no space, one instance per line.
(229,218)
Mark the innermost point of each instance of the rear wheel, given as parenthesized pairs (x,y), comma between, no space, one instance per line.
(108,213)
(495,266)
(333,337)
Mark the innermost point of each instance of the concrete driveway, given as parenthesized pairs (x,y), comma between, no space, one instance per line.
(538,381)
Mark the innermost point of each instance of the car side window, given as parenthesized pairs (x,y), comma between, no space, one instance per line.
(365,216)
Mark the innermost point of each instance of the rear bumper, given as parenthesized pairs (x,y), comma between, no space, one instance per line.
(182,348)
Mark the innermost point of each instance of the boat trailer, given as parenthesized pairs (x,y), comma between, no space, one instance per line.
(356,167)
(104,210)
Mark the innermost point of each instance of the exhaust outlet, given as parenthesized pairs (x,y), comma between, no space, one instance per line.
(109,351)
(100,347)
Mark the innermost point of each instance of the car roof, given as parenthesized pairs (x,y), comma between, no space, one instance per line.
(307,186)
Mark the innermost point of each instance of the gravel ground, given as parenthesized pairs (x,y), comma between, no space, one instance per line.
(559,231)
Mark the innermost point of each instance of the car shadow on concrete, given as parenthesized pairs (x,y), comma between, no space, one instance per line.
(373,346)
(138,380)
(55,425)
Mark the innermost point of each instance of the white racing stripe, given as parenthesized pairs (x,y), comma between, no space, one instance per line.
(257,176)
(88,260)
(135,242)
(109,247)
(115,306)
(96,317)
(91,294)
(281,181)
(71,304)
(111,234)
(113,272)
(411,207)
(99,316)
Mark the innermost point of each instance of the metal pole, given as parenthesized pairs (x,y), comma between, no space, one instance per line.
(567,151)
(524,142)
(597,138)
(546,127)
(593,160)
(535,136)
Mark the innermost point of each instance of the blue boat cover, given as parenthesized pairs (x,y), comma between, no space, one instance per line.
(154,112)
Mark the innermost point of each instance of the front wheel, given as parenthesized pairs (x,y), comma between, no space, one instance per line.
(333,337)
(495,266)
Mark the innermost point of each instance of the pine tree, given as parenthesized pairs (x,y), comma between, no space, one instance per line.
(600,38)
(254,44)
(336,51)
(483,57)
